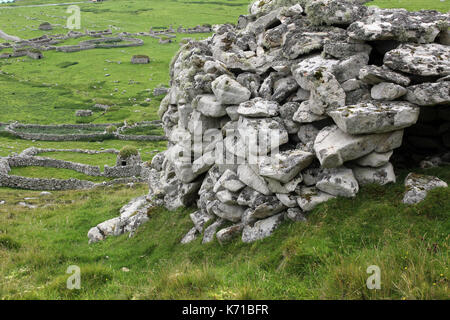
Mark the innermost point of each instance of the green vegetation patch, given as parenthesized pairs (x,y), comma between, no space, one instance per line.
(56,173)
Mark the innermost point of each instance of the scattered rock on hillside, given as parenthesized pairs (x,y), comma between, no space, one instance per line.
(417,187)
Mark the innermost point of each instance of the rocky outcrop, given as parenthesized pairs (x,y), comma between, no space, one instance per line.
(302,102)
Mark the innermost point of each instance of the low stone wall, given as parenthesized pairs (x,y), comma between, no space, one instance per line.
(120,172)
(44,184)
(93,171)
(12,129)
(4,166)
(33,151)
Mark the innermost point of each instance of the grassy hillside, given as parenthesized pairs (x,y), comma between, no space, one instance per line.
(326,257)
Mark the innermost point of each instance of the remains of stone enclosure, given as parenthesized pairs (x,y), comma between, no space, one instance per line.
(298,105)
(91,132)
(50,42)
(129,168)
(140,59)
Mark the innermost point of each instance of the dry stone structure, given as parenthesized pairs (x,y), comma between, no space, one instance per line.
(301,102)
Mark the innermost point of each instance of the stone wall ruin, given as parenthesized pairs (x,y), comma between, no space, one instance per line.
(301,102)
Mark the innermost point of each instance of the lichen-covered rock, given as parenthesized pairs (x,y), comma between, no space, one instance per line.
(375,159)
(284,166)
(420,59)
(375,117)
(258,108)
(374,75)
(338,182)
(418,186)
(333,146)
(387,91)
(209,106)
(229,91)
(430,94)
(381,175)
(399,24)
(311,197)
(332,12)
(261,229)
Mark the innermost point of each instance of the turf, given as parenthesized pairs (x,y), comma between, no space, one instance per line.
(326,257)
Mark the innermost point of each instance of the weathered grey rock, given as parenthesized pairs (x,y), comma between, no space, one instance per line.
(248,176)
(381,175)
(231,213)
(227,197)
(209,106)
(284,166)
(333,12)
(305,115)
(258,108)
(261,229)
(262,135)
(190,236)
(287,200)
(375,117)
(420,59)
(229,91)
(308,133)
(338,182)
(430,94)
(375,159)
(309,198)
(399,24)
(283,88)
(210,231)
(251,81)
(418,186)
(230,181)
(298,43)
(204,163)
(227,234)
(132,215)
(344,50)
(287,112)
(326,92)
(333,146)
(295,214)
(200,218)
(305,70)
(349,68)
(374,75)
(387,91)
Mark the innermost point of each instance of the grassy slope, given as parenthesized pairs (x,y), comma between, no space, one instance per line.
(33,89)
(326,257)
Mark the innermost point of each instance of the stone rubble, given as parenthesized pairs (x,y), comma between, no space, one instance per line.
(302,102)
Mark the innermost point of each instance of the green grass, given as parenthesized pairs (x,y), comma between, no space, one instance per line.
(91,159)
(56,173)
(326,257)
(61,130)
(145,130)
(56,86)
(147,149)
(413,5)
